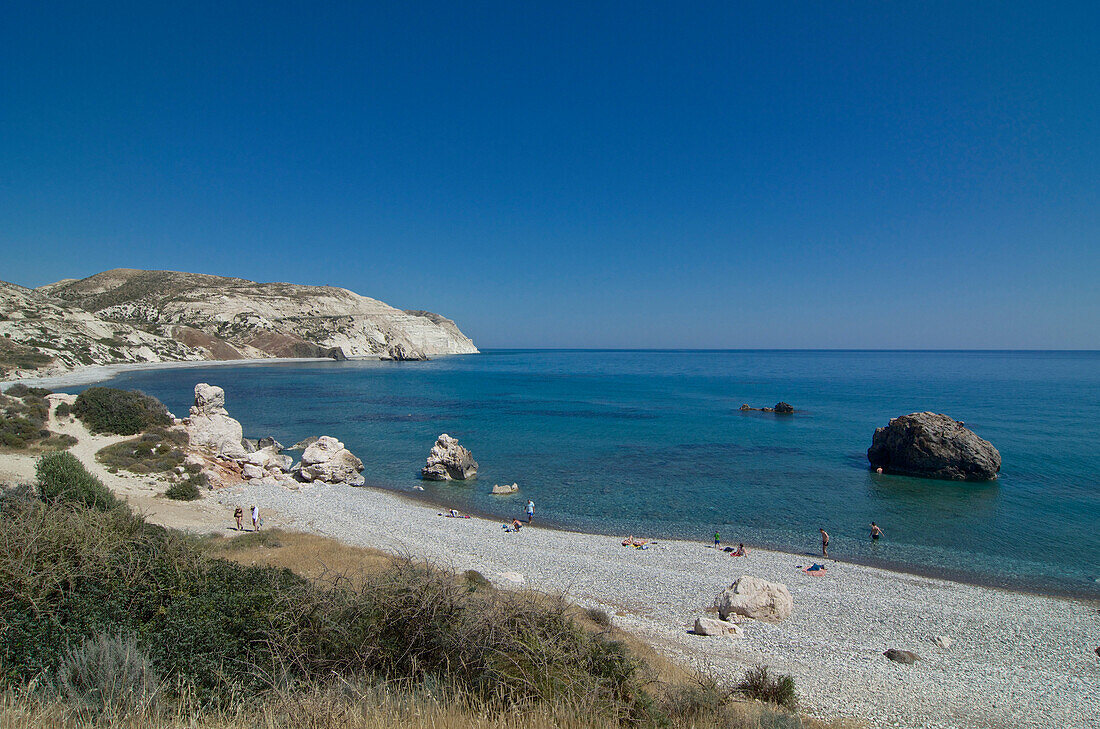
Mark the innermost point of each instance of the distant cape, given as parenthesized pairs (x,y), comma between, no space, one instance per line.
(131,316)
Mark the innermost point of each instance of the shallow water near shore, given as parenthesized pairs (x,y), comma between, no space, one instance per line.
(652,443)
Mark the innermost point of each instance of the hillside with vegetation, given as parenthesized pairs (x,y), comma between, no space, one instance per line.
(131,316)
(107,620)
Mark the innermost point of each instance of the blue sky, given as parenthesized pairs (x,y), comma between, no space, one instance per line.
(805,174)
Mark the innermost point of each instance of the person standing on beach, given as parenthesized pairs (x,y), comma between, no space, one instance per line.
(238,514)
(824,542)
(255,518)
(530,510)
(875,532)
(717,540)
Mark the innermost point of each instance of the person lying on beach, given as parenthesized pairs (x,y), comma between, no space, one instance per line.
(456,514)
(632,542)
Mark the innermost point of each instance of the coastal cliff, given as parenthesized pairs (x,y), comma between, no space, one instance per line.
(128,316)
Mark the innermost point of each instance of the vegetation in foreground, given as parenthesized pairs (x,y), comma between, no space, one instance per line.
(107,619)
(123,412)
(24,412)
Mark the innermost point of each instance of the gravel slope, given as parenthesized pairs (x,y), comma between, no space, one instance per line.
(1018,660)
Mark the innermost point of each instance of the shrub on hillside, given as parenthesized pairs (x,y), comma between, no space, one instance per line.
(63,410)
(157,451)
(760,685)
(186,490)
(63,478)
(107,674)
(125,412)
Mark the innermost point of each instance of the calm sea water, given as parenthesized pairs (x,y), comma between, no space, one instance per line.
(651,443)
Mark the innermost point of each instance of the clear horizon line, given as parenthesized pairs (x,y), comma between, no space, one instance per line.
(772,349)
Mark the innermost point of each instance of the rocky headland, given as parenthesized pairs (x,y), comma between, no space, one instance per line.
(129,316)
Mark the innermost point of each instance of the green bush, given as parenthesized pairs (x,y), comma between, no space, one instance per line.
(225,629)
(760,685)
(108,674)
(157,451)
(125,412)
(61,477)
(183,491)
(63,410)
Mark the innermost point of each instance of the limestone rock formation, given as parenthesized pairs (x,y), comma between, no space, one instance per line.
(232,318)
(209,425)
(783,408)
(448,460)
(505,488)
(931,445)
(706,625)
(327,460)
(755,598)
(942,641)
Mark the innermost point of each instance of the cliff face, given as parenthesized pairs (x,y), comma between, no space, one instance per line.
(127,315)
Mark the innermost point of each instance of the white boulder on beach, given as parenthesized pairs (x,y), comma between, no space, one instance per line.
(755,598)
(328,460)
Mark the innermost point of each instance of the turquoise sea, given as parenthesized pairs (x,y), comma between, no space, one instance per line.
(652,443)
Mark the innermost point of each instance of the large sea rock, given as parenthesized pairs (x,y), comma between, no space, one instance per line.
(209,425)
(328,460)
(930,445)
(448,460)
(755,598)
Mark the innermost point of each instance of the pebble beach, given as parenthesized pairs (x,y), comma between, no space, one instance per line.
(1015,660)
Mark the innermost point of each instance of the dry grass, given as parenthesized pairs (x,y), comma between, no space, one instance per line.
(351,707)
(328,560)
(309,555)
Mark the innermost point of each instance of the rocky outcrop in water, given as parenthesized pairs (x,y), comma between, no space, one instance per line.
(449,461)
(781,408)
(931,445)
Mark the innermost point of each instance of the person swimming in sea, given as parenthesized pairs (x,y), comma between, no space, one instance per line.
(875,531)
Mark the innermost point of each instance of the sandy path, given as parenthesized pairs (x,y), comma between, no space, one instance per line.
(143,493)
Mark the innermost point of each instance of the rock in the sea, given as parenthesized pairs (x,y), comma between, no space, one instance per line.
(755,598)
(269,442)
(302,444)
(448,460)
(746,406)
(783,408)
(327,460)
(899,656)
(706,625)
(504,488)
(942,641)
(209,425)
(930,445)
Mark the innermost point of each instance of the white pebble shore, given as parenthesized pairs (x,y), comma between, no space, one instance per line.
(1017,660)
